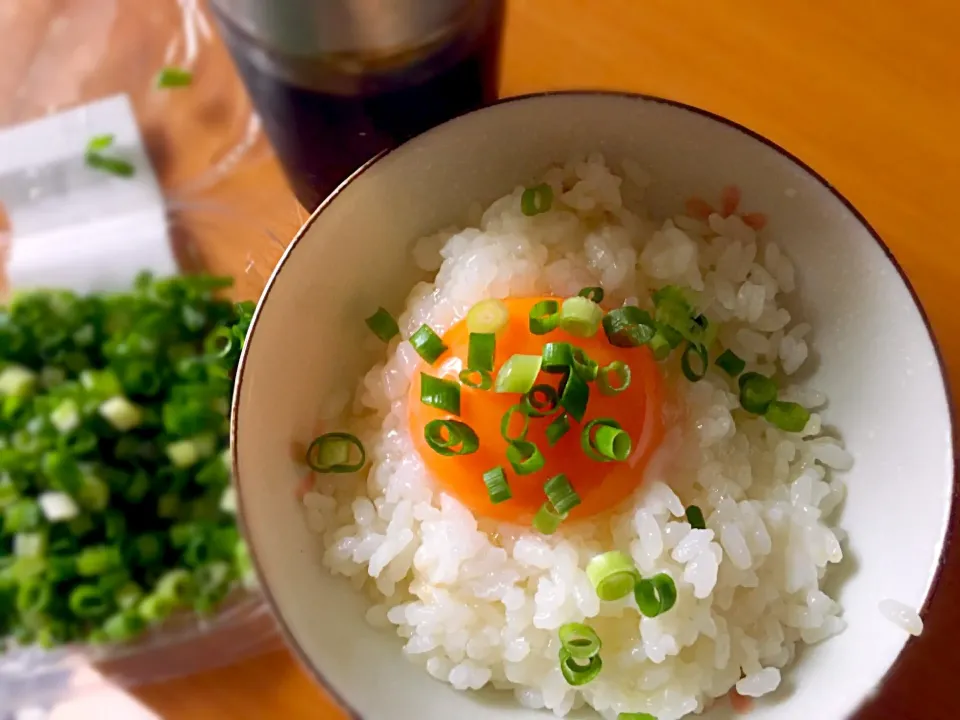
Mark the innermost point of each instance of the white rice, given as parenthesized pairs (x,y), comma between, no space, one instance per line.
(903,616)
(479,603)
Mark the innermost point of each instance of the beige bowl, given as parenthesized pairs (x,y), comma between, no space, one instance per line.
(877,363)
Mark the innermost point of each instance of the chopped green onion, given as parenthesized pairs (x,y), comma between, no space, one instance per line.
(88,601)
(547,519)
(561,495)
(98,559)
(540,401)
(592,293)
(574,395)
(330,453)
(497,487)
(695,518)
(557,429)
(576,674)
(428,344)
(518,374)
(756,392)
(121,413)
(603,439)
(557,357)
(655,595)
(450,437)
(628,326)
(660,346)
(219,343)
(536,200)
(544,317)
(694,374)
(111,165)
(476,379)
(440,393)
(98,143)
(17,381)
(613,575)
(788,416)
(173,77)
(382,324)
(581,641)
(635,716)
(584,366)
(622,372)
(177,586)
(514,411)
(730,363)
(580,316)
(525,457)
(481,351)
(488,316)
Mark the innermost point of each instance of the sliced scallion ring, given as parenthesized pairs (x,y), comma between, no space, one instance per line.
(505,422)
(577,674)
(655,595)
(574,395)
(756,392)
(440,393)
(584,366)
(613,575)
(560,493)
(592,293)
(544,317)
(488,316)
(695,518)
(557,357)
(476,379)
(541,401)
(497,487)
(547,519)
(730,363)
(580,316)
(383,325)
(660,346)
(628,326)
(557,428)
(525,457)
(621,371)
(603,440)
(536,200)
(481,351)
(694,362)
(788,416)
(581,641)
(518,374)
(450,437)
(330,453)
(428,344)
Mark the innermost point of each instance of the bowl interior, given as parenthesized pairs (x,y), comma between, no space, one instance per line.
(876,362)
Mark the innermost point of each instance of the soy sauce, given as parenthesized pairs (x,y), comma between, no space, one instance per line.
(326,116)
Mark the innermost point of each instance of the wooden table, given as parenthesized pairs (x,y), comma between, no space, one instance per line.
(868,98)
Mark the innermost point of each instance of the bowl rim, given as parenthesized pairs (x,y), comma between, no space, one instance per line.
(294,646)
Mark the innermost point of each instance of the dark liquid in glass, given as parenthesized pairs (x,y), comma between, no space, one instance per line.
(324,123)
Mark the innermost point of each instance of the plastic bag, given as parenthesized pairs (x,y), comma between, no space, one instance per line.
(70,53)
(204,234)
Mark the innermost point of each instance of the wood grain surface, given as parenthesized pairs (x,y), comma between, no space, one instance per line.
(866,93)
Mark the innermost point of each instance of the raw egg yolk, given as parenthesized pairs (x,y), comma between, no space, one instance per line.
(600,485)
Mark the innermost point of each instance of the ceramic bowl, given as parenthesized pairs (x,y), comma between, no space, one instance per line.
(877,362)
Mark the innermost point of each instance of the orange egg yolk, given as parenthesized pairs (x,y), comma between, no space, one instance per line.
(600,485)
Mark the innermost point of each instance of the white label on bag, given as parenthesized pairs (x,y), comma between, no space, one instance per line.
(73,226)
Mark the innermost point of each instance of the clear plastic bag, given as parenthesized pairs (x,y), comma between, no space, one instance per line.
(206,236)
(61,55)
(228,213)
